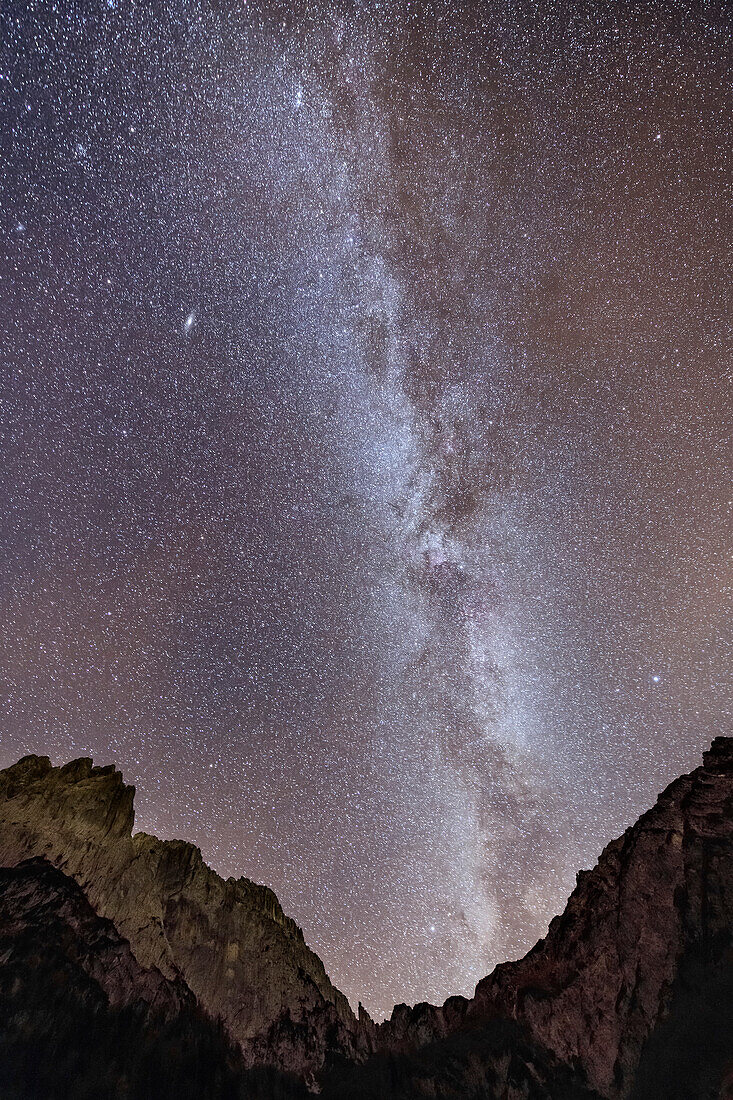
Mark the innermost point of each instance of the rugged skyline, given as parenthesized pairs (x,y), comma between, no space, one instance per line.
(366,437)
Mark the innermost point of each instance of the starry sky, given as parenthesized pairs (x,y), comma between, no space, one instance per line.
(366,441)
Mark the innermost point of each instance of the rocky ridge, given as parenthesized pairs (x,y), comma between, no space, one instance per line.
(646,936)
(229,941)
(629,996)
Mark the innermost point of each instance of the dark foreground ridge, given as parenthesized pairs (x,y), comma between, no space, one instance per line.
(129,969)
(81,1017)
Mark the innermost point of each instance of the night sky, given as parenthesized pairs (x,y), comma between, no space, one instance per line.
(366,442)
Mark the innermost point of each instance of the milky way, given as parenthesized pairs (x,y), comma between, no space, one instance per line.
(365,431)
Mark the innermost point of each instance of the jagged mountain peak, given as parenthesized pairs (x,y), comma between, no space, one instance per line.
(229,940)
(629,996)
(657,906)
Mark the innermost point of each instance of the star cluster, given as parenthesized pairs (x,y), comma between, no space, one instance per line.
(365,429)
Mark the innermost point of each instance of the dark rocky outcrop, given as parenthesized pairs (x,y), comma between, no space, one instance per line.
(628,997)
(494,1060)
(81,1019)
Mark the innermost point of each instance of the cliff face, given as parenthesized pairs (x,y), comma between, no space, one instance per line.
(628,997)
(80,1018)
(244,960)
(34,896)
(636,976)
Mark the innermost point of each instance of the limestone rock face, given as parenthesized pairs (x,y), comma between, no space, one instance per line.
(80,818)
(597,986)
(80,1018)
(634,982)
(36,899)
(244,960)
